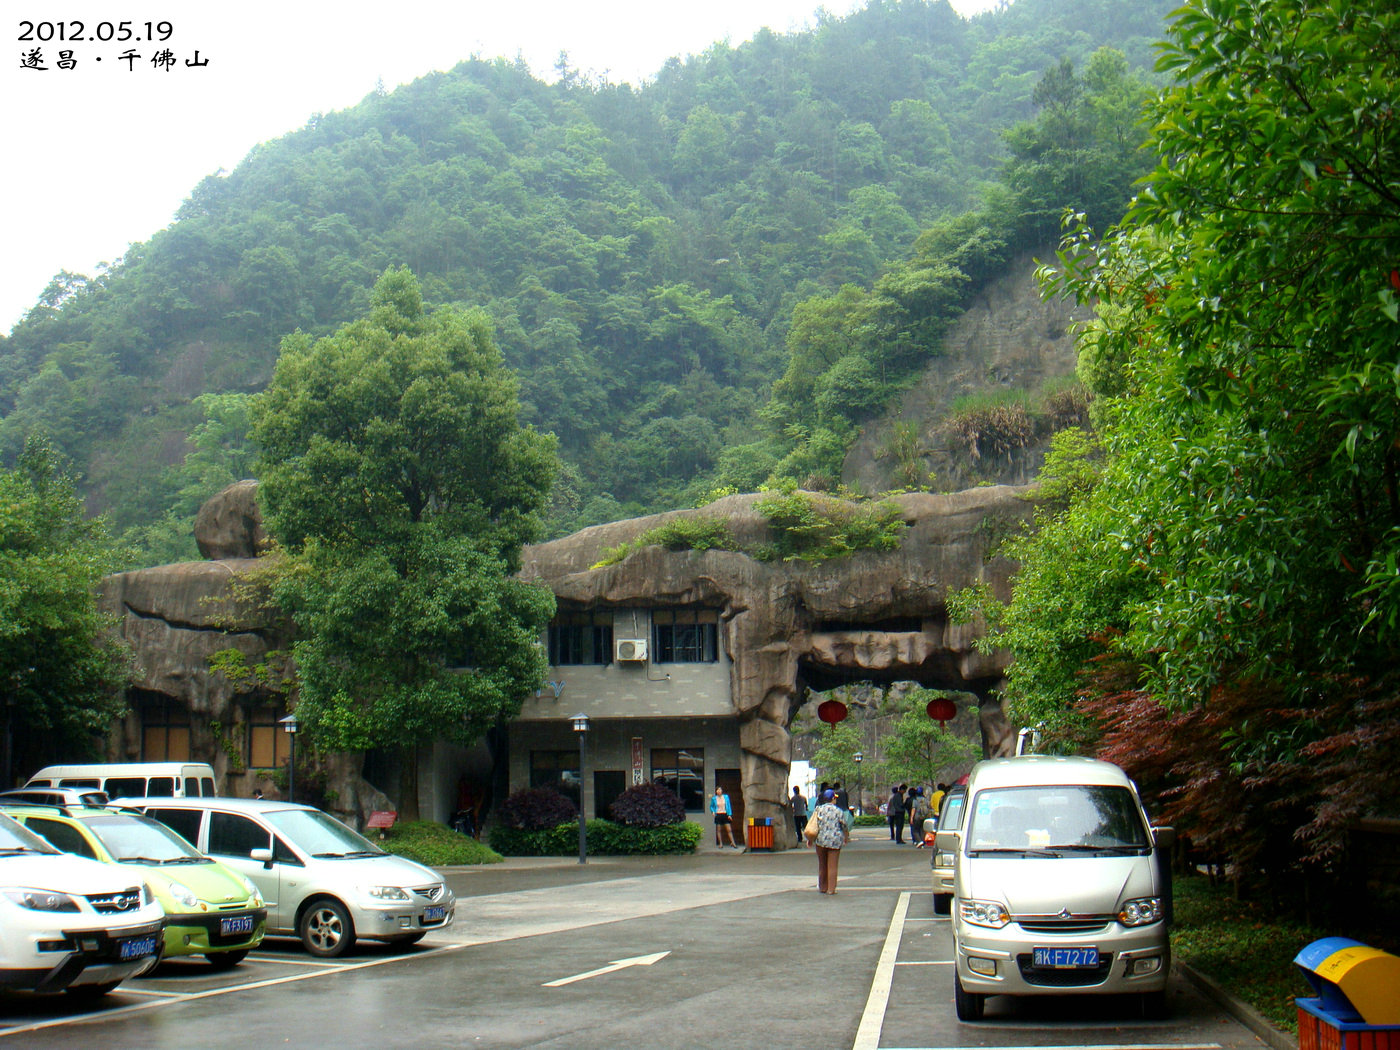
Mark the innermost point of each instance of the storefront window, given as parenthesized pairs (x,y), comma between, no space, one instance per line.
(557,770)
(683,771)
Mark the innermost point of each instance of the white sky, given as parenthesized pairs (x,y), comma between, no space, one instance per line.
(101,155)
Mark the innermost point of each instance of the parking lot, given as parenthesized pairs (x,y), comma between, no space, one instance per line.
(720,949)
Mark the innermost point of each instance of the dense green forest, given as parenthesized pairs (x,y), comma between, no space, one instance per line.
(710,279)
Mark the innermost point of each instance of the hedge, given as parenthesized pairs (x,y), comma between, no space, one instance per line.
(436,845)
(605,839)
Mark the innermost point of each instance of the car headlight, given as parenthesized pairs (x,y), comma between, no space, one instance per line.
(42,900)
(983,913)
(387,893)
(253,892)
(148,895)
(184,896)
(1141,912)
(943,860)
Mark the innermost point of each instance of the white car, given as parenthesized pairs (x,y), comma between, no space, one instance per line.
(322,882)
(68,923)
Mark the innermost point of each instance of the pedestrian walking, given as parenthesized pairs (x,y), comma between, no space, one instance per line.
(724,817)
(832,834)
(799,815)
(918,813)
(894,811)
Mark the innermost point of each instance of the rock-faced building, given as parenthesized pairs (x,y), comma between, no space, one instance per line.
(689,664)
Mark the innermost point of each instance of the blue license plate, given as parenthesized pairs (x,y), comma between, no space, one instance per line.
(231,925)
(136,947)
(1080,958)
(435,913)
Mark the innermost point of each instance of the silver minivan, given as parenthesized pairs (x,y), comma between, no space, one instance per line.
(1058,885)
(322,882)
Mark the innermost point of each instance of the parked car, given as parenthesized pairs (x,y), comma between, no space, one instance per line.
(54,796)
(941,861)
(1058,887)
(128,779)
(210,909)
(68,923)
(322,882)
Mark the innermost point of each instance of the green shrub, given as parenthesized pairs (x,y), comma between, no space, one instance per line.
(436,845)
(695,533)
(820,527)
(870,820)
(605,839)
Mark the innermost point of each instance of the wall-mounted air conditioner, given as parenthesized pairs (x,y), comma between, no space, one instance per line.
(631,650)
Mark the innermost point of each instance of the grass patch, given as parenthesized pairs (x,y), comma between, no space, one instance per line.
(436,845)
(1246,947)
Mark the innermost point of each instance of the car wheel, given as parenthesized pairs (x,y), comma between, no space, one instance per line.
(326,930)
(942,903)
(226,960)
(91,991)
(970,1005)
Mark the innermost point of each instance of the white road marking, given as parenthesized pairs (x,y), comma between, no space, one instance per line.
(612,967)
(135,1008)
(873,1019)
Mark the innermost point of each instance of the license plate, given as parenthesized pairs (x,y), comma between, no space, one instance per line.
(1065,958)
(136,947)
(435,913)
(235,924)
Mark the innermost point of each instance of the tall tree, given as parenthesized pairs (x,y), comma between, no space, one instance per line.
(60,669)
(398,478)
(1241,554)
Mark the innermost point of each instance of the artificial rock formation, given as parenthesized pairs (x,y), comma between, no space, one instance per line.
(787,626)
(790,625)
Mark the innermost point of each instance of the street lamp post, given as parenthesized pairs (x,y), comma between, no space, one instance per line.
(289,724)
(859,757)
(581,728)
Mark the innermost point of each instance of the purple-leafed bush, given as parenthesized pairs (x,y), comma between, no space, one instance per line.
(648,806)
(537,809)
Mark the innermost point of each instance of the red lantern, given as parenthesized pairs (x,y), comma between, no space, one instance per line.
(942,710)
(831,711)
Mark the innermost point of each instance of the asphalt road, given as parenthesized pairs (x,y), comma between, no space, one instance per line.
(717,950)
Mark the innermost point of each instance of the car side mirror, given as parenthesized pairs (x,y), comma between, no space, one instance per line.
(947,841)
(262,855)
(1165,838)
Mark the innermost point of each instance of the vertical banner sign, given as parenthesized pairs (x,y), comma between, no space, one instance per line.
(636,760)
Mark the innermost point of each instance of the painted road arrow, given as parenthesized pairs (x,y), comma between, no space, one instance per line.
(619,964)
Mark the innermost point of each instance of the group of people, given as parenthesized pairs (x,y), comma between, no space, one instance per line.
(912,806)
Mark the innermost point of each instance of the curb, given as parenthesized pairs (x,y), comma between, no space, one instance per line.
(1240,1010)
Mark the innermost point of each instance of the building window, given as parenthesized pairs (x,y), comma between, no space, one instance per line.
(581,638)
(682,769)
(557,770)
(165,731)
(269,745)
(685,636)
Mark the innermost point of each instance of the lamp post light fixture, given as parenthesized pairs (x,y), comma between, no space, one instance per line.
(859,757)
(581,728)
(289,725)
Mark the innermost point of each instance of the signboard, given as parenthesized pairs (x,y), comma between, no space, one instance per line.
(382,818)
(637,769)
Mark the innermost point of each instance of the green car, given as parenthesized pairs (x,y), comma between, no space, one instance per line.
(211,910)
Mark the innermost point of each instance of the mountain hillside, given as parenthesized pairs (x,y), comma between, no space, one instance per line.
(713,279)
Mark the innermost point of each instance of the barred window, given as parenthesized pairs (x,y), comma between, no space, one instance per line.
(685,636)
(581,638)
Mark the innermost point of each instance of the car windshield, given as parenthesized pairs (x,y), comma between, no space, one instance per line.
(1069,818)
(320,834)
(141,840)
(15,839)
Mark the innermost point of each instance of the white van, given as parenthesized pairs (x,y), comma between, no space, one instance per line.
(1059,887)
(132,779)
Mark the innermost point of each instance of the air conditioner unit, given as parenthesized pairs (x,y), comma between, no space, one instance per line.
(631,649)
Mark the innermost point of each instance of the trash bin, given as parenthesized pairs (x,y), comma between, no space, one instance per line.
(761,836)
(1357,1005)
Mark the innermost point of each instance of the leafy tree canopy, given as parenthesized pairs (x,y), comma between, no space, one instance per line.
(1238,554)
(399,480)
(60,670)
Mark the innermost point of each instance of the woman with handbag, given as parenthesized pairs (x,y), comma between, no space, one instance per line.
(828,831)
